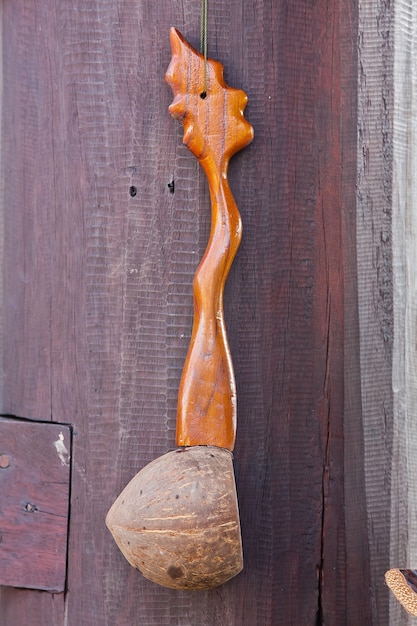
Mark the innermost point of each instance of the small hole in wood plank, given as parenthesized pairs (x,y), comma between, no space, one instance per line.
(133,191)
(31,508)
(203,95)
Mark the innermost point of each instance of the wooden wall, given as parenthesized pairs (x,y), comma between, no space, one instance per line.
(97,293)
(403,547)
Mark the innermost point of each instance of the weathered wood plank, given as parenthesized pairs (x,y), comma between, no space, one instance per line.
(28,217)
(403,548)
(34,504)
(1,200)
(375,287)
(358,577)
(20,606)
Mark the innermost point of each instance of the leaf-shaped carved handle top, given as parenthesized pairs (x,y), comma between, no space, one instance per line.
(214,130)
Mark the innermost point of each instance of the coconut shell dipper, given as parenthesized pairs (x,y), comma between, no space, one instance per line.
(177,521)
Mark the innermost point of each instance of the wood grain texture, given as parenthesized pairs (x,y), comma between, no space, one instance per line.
(375,285)
(35,488)
(403,549)
(27,106)
(41,606)
(359,601)
(1,202)
(99,260)
(214,130)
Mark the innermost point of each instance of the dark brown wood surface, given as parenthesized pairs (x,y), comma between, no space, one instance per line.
(106,216)
(34,504)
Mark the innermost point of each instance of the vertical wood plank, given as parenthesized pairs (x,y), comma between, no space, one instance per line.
(358,576)
(403,547)
(2,211)
(28,231)
(375,294)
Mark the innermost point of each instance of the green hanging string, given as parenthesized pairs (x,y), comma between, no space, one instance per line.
(203,41)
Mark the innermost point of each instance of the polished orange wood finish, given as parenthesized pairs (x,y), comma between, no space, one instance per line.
(214,130)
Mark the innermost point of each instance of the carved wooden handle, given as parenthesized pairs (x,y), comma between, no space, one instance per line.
(214,130)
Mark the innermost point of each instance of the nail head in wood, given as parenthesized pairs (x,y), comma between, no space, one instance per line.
(4,461)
